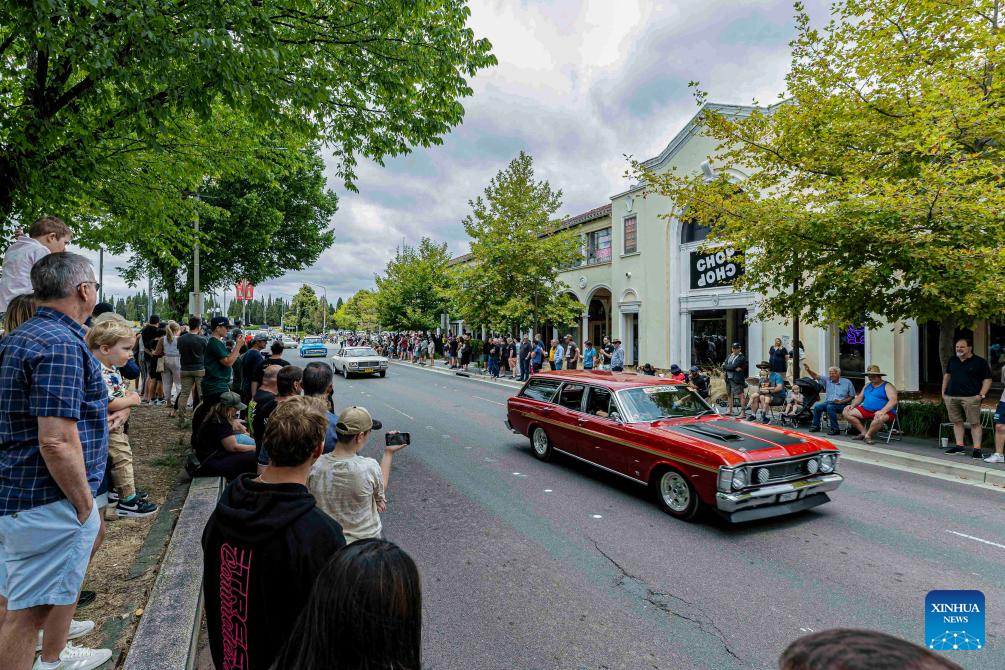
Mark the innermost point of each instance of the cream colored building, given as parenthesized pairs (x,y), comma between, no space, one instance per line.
(643,280)
(668,303)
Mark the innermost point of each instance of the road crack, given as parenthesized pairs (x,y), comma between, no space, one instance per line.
(667,602)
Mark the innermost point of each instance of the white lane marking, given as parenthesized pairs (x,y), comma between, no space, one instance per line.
(547,490)
(806,630)
(597,516)
(400,412)
(977,539)
(488,400)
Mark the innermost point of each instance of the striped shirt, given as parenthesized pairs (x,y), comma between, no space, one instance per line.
(47,370)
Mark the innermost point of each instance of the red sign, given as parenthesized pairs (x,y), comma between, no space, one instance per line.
(244,291)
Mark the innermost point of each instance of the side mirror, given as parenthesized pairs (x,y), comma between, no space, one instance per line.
(614,416)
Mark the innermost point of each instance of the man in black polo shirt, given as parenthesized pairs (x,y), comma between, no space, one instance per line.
(964,386)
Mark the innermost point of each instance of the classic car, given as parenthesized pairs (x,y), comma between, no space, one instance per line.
(349,361)
(313,346)
(289,342)
(663,434)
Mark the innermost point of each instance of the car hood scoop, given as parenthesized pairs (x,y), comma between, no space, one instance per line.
(738,435)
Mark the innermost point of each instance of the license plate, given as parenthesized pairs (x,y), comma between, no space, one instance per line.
(367,369)
(786,497)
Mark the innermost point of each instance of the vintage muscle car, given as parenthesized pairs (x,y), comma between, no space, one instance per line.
(349,361)
(663,434)
(313,346)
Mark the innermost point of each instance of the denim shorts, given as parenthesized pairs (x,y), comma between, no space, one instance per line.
(44,552)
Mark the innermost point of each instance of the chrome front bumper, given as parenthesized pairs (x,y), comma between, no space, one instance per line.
(765,502)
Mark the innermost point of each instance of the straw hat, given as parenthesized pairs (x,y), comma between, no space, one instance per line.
(874,370)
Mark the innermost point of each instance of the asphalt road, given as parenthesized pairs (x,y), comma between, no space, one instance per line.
(530,565)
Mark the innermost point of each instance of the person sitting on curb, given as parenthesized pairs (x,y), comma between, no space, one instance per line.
(840,393)
(352,488)
(877,401)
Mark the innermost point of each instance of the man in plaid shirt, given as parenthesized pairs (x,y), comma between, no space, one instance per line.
(53,449)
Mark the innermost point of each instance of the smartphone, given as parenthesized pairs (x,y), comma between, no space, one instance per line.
(391,439)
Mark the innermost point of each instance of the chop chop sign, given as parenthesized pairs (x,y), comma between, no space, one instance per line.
(714,269)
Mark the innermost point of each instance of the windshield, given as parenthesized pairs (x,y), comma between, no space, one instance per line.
(359,352)
(661,402)
(312,340)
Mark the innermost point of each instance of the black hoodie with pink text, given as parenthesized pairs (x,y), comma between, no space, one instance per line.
(263,548)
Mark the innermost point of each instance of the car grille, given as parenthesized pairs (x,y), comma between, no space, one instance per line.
(786,471)
(368,364)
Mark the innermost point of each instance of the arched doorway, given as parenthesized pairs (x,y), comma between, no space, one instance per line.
(599,315)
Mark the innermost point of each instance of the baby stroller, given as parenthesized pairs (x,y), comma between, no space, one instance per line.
(810,389)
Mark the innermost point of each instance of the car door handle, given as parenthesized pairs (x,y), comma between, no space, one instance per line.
(582,421)
(546,410)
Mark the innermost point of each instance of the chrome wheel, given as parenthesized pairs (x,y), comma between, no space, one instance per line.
(675,491)
(540,444)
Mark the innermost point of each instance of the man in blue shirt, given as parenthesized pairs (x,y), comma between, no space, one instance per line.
(618,357)
(53,450)
(537,356)
(840,393)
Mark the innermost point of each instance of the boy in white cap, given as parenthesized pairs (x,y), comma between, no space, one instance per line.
(348,487)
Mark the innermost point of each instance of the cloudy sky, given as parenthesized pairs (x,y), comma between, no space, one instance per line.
(579,84)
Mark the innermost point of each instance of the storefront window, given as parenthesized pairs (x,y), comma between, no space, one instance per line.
(852,350)
(692,232)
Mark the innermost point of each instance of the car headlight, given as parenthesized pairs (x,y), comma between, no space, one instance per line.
(739,478)
(725,479)
(762,475)
(812,466)
(352,365)
(827,463)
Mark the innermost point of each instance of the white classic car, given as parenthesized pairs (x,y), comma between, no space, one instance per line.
(349,361)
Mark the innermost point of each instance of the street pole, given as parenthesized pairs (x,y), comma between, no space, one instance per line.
(795,336)
(101,274)
(150,296)
(197,306)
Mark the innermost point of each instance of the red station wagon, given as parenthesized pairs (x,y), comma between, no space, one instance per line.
(663,434)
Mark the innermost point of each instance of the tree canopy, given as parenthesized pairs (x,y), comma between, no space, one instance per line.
(358,312)
(876,185)
(412,292)
(517,252)
(87,84)
(255,225)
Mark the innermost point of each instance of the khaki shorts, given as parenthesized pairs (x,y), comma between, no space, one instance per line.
(964,406)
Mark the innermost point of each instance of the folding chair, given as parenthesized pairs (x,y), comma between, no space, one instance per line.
(892,428)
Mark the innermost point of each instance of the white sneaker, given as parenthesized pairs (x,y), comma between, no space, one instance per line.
(995,458)
(77,629)
(78,658)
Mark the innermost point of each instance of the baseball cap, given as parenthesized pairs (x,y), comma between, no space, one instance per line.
(260,337)
(737,345)
(355,420)
(231,399)
(219,321)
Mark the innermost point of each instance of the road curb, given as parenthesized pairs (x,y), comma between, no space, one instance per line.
(473,376)
(960,472)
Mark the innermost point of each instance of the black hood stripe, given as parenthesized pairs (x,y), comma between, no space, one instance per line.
(759,432)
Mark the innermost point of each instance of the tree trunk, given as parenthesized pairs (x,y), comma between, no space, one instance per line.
(947,339)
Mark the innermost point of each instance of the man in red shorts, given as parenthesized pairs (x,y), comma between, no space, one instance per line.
(876,401)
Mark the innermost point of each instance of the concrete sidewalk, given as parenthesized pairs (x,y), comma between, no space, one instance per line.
(473,373)
(910,454)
